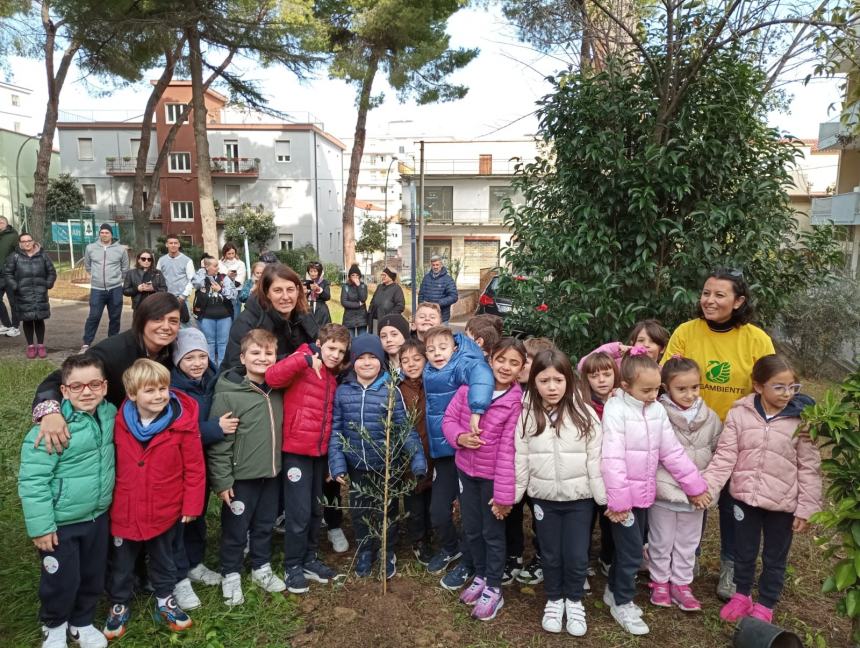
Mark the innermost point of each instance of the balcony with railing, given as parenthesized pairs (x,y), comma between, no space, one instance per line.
(125,213)
(231,167)
(125,166)
(462,217)
(841,209)
(483,165)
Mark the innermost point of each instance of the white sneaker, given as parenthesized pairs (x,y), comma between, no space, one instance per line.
(185,596)
(608,597)
(338,540)
(629,617)
(202,574)
(84,348)
(553,614)
(576,625)
(266,579)
(13,331)
(88,637)
(231,588)
(54,637)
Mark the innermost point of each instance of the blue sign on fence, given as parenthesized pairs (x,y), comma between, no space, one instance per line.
(77,232)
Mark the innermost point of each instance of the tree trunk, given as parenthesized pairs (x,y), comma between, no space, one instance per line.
(355,161)
(56,79)
(140,211)
(201,141)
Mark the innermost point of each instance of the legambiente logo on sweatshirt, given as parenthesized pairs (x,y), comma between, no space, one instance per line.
(718,372)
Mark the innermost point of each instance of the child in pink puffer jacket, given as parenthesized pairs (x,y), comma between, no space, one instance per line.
(485,463)
(775,479)
(637,437)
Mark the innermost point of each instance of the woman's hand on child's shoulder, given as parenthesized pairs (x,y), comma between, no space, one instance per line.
(54,432)
(47,542)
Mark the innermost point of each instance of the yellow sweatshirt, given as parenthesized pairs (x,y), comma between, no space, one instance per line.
(726,359)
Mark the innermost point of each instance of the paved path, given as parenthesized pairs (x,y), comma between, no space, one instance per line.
(63,331)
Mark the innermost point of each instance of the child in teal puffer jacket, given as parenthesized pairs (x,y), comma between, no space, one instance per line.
(65,498)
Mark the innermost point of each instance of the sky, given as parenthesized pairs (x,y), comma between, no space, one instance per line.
(504,82)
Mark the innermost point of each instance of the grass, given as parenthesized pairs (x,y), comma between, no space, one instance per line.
(353,614)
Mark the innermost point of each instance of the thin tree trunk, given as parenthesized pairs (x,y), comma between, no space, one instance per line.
(385,521)
(140,211)
(204,170)
(56,79)
(355,161)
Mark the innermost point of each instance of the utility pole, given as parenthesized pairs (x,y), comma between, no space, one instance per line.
(421,210)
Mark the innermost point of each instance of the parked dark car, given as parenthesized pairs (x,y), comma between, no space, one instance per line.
(490,303)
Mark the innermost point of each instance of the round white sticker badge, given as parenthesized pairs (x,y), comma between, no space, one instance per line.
(739,513)
(237,507)
(50,564)
(630,520)
(117,541)
(294,474)
(538,511)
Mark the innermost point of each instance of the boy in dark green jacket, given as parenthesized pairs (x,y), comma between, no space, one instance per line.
(244,469)
(65,498)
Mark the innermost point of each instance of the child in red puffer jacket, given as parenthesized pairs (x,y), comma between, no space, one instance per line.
(309,377)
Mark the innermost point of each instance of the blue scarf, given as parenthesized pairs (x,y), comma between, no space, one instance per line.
(145,433)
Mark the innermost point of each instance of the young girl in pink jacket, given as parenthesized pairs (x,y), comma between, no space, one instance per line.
(637,437)
(485,466)
(775,479)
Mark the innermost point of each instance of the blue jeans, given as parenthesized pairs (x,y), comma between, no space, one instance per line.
(216,331)
(98,300)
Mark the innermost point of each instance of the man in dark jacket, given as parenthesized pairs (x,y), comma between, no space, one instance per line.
(8,241)
(438,287)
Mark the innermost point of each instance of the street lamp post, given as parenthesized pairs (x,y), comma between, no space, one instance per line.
(385,252)
(17,179)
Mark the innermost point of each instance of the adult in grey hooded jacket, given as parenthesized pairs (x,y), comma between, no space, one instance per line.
(107,263)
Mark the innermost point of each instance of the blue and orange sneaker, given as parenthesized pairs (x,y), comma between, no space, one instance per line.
(116,621)
(172,615)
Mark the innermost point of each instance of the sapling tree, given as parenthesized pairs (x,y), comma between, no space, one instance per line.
(392,479)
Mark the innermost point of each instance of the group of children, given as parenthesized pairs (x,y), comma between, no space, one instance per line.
(493,424)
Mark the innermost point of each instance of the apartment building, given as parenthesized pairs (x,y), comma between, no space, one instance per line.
(294,169)
(16,109)
(465,185)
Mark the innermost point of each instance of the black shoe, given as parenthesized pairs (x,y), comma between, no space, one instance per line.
(423,552)
(532,574)
(513,566)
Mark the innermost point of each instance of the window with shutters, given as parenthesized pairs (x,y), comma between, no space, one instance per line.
(85,148)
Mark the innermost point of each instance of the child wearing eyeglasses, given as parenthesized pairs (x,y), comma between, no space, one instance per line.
(65,498)
(774,475)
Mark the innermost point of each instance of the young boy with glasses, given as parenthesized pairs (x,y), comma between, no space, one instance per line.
(65,498)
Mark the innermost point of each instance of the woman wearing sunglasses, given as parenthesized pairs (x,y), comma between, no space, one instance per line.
(144,279)
(726,346)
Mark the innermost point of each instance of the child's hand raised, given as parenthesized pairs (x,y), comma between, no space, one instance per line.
(470,440)
(226,496)
(799,525)
(501,511)
(46,542)
(228,423)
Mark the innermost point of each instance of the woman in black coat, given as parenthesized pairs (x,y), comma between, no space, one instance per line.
(278,305)
(143,280)
(388,298)
(30,274)
(353,297)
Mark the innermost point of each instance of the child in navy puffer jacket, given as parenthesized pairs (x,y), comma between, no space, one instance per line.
(357,445)
(453,361)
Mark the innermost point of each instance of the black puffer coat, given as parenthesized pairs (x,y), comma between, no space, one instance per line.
(30,277)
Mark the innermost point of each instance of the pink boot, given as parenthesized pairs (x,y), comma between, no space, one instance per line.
(471,594)
(762,613)
(660,594)
(41,351)
(738,607)
(31,351)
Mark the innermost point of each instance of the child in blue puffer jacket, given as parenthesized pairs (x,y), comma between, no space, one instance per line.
(361,403)
(453,360)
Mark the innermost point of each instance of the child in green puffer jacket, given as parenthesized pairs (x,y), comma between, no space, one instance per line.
(65,498)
